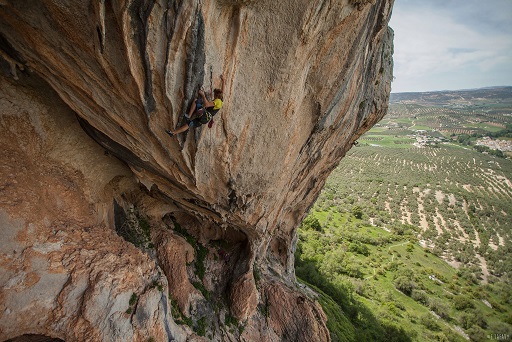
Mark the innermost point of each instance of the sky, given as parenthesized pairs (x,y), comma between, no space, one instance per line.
(451,44)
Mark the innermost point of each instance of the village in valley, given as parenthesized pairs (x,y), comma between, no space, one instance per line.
(481,119)
(501,145)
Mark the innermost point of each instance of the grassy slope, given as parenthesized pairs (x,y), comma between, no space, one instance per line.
(394,186)
(372,289)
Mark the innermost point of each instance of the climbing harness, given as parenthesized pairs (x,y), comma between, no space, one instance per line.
(206,117)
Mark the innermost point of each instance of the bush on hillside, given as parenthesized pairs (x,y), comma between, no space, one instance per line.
(462,302)
(419,296)
(357,211)
(471,318)
(359,248)
(439,307)
(404,285)
(430,322)
(311,222)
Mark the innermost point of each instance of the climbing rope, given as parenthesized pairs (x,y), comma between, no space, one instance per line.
(211,82)
(210,150)
(209,128)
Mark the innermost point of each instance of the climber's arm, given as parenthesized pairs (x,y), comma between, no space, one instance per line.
(206,102)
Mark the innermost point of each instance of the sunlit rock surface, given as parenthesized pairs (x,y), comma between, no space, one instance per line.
(304,79)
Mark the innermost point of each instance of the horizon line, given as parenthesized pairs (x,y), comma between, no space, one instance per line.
(447,90)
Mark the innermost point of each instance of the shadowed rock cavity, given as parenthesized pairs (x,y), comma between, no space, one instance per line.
(218,257)
(34,338)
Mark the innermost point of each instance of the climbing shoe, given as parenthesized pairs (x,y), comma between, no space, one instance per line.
(170,133)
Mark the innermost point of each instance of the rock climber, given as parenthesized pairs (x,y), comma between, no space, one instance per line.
(202,110)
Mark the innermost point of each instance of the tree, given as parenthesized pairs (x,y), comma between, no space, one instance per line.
(359,248)
(333,263)
(410,247)
(311,222)
(357,211)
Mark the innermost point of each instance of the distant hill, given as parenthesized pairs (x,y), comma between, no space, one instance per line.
(443,98)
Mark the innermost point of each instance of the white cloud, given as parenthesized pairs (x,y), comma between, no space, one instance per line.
(432,44)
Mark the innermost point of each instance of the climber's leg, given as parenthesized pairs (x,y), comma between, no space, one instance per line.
(193,123)
(180,130)
(192,110)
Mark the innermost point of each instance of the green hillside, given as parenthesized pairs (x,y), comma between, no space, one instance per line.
(410,239)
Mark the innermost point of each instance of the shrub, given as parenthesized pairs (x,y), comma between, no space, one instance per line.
(256,273)
(201,327)
(357,211)
(472,318)
(359,248)
(133,299)
(477,334)
(199,285)
(430,322)
(404,285)
(202,252)
(462,302)
(439,307)
(419,296)
(178,317)
(135,228)
(311,222)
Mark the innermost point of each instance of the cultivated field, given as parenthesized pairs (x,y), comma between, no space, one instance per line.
(458,201)
(411,238)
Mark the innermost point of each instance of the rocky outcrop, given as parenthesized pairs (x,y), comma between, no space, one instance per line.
(304,79)
(65,273)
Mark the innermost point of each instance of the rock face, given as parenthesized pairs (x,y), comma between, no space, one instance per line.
(304,79)
(64,273)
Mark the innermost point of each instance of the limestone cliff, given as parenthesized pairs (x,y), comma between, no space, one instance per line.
(213,211)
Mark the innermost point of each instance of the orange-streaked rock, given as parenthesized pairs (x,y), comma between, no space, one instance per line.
(304,79)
